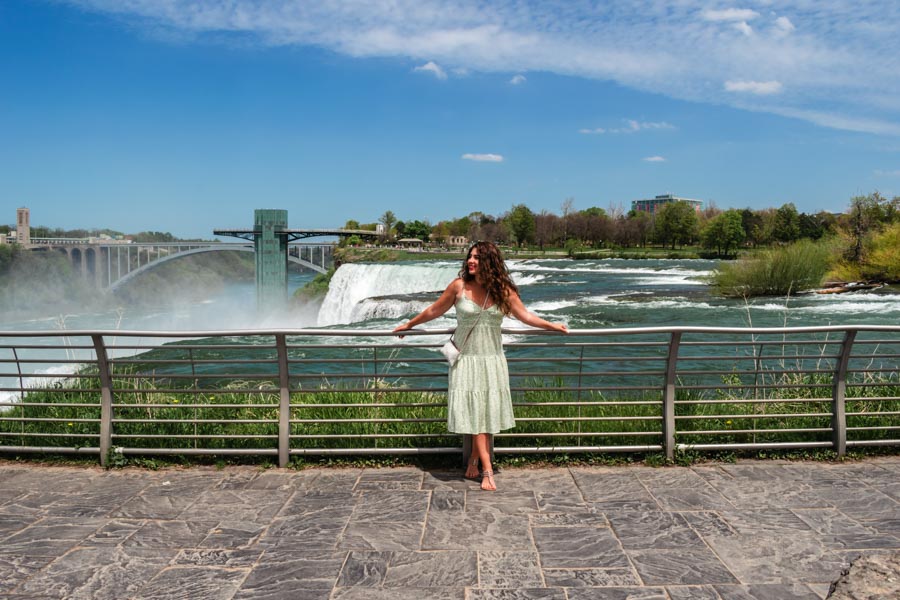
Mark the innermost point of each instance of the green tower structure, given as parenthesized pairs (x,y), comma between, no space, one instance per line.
(270,237)
(270,244)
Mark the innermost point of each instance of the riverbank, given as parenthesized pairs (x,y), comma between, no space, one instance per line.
(386,254)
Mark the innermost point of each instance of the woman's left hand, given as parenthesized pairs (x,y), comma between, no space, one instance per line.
(403,327)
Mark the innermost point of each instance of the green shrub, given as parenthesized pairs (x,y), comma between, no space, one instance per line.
(775,272)
(882,259)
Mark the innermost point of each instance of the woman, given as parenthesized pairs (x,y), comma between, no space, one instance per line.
(478,398)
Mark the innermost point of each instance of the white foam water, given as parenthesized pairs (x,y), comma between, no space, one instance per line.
(35,382)
(354,286)
(552,305)
(353,283)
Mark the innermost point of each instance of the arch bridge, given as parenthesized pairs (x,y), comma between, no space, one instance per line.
(111,265)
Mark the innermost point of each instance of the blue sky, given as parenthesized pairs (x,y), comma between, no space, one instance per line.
(185,116)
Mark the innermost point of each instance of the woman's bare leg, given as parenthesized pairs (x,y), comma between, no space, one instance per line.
(472,471)
(480,448)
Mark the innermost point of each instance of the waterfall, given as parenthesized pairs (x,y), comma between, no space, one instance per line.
(353,285)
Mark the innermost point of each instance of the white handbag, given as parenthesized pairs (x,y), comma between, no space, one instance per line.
(450,350)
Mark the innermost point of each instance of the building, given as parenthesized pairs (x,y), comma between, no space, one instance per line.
(23,227)
(654,204)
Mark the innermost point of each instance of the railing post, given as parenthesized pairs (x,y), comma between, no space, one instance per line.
(838,396)
(284,403)
(106,398)
(669,396)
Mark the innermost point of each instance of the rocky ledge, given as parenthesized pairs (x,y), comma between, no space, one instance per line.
(873,577)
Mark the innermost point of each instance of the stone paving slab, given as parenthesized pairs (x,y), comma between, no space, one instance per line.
(754,530)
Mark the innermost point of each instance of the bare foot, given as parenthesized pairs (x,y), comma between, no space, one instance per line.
(487,481)
(472,471)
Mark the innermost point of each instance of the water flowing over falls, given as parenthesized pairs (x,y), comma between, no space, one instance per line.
(362,292)
(353,284)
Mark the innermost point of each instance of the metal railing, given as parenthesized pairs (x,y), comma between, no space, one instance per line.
(287,393)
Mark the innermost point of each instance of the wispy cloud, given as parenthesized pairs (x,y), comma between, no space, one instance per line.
(518,79)
(828,58)
(882,173)
(631,126)
(483,157)
(730,14)
(760,88)
(433,68)
(744,28)
(654,159)
(784,25)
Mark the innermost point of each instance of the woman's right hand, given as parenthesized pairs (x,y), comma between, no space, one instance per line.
(403,327)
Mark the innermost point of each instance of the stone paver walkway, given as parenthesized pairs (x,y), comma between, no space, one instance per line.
(751,530)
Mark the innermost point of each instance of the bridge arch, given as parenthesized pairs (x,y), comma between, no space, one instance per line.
(214,248)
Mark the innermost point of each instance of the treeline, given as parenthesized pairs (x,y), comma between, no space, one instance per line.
(720,233)
(41,231)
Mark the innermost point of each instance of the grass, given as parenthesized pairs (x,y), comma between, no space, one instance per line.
(774,272)
(335,418)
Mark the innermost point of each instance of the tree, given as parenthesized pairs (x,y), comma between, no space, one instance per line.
(633,229)
(723,233)
(418,229)
(548,229)
(675,224)
(460,226)
(566,208)
(521,221)
(752,224)
(388,219)
(351,224)
(441,231)
(786,226)
(591,226)
(868,215)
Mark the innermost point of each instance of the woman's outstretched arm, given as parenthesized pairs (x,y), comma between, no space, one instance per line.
(440,306)
(518,310)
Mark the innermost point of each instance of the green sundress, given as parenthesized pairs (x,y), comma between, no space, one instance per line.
(478,397)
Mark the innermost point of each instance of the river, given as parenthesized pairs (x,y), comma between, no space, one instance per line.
(611,293)
(597,294)
(584,294)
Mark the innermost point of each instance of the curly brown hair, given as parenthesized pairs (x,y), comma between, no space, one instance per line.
(493,273)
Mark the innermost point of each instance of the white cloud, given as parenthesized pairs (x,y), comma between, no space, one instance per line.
(654,159)
(433,68)
(744,28)
(642,125)
(631,126)
(881,173)
(759,88)
(784,25)
(518,79)
(730,14)
(483,157)
(841,59)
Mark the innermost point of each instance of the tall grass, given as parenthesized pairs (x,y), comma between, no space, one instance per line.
(775,272)
(385,417)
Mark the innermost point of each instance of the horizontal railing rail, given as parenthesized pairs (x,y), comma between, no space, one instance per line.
(293,392)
